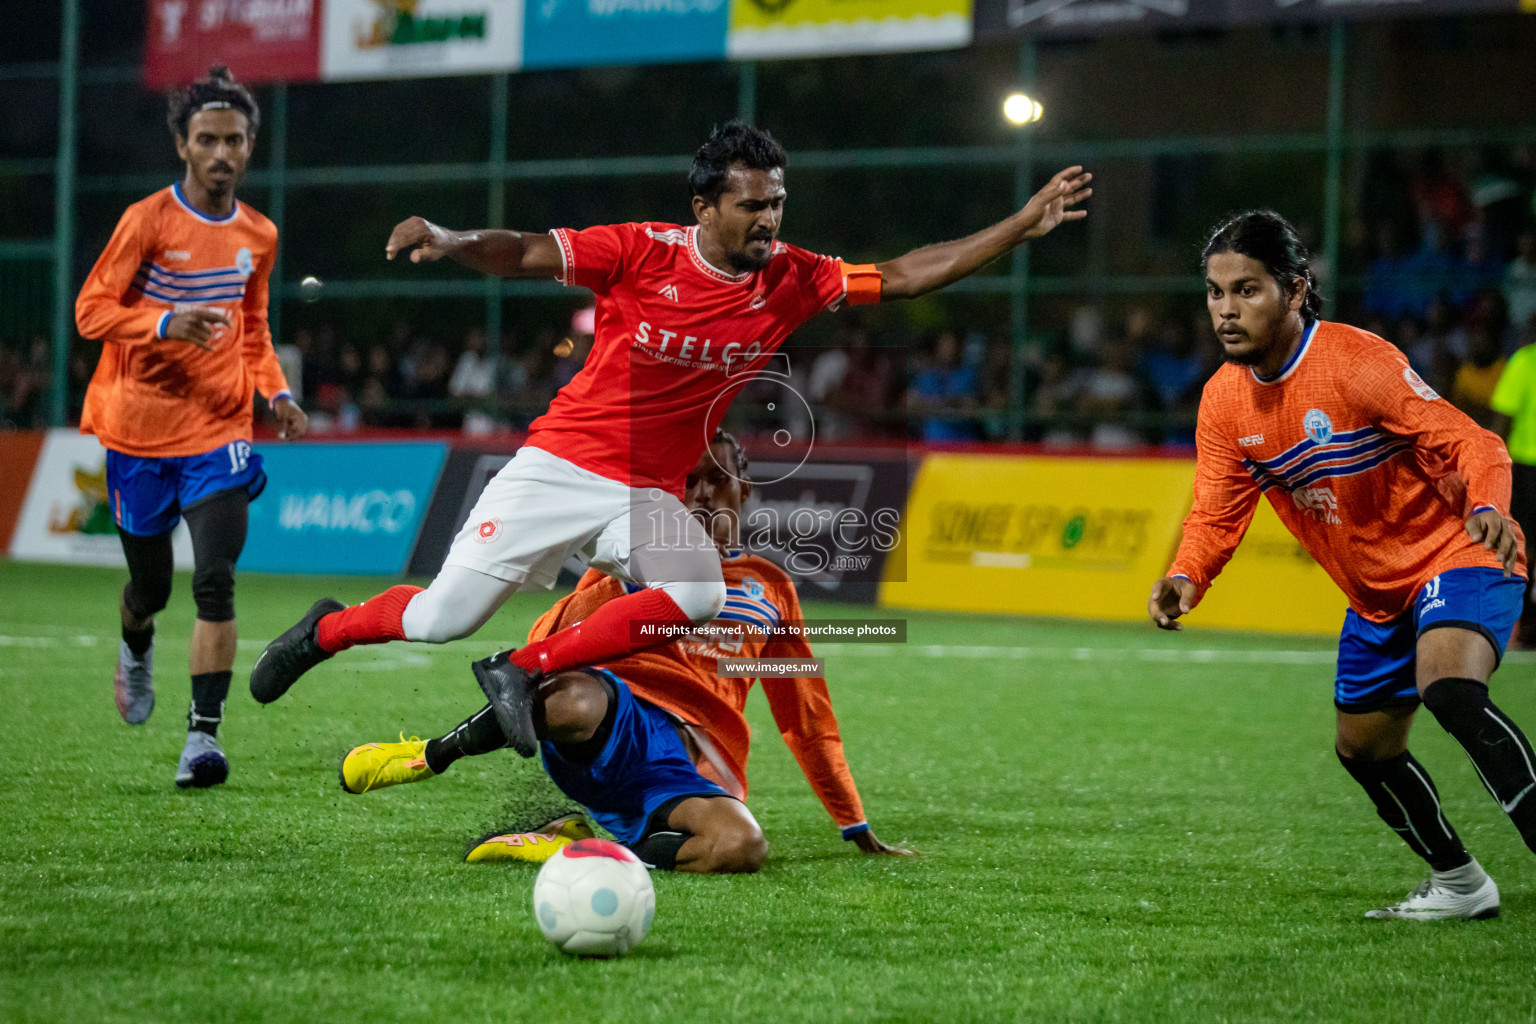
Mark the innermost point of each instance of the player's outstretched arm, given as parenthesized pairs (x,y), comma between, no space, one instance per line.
(1172,596)
(490,251)
(936,266)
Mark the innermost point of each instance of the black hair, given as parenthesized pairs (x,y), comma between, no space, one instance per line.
(219,89)
(1266,236)
(734,142)
(722,436)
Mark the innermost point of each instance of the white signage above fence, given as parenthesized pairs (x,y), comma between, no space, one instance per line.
(415,38)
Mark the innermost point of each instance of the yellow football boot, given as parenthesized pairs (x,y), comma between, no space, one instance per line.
(379,765)
(534,847)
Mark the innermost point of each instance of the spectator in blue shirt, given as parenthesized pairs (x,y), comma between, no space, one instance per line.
(944,395)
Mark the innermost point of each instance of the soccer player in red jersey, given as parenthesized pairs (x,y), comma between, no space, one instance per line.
(652,743)
(1404,501)
(179,301)
(686,316)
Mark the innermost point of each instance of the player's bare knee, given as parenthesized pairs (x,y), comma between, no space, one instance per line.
(740,851)
(570,707)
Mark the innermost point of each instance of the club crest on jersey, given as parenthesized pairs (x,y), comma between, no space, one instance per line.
(753,588)
(245,263)
(1318,426)
(1420,388)
(488,531)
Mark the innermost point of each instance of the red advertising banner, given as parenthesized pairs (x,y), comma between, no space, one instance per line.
(18,454)
(260,40)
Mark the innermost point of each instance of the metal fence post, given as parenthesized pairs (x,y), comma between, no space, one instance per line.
(1018,291)
(277,205)
(64,213)
(496,210)
(746,91)
(1333,184)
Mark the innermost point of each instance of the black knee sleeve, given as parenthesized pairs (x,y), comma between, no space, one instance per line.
(213,590)
(150,566)
(218,526)
(1498,749)
(1406,799)
(659,849)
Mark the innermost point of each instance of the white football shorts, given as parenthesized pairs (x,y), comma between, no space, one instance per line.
(541,509)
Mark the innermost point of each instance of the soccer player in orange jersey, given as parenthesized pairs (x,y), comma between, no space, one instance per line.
(686,316)
(179,302)
(653,744)
(1404,501)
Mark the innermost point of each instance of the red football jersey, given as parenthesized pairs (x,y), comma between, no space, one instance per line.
(675,341)
(1371,470)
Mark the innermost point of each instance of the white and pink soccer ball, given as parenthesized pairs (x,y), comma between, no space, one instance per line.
(594,898)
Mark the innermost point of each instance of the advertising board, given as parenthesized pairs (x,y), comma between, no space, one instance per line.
(341,508)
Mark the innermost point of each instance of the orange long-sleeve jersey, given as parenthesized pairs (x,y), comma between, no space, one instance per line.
(1372,471)
(681,678)
(159,398)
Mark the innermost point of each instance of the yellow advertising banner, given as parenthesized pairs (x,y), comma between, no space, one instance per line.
(1040,536)
(1085,538)
(1272,585)
(798,28)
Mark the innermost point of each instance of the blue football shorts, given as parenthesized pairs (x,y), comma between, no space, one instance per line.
(148,495)
(1377,659)
(642,766)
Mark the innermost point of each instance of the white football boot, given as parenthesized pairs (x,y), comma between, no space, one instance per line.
(1432,902)
(133,685)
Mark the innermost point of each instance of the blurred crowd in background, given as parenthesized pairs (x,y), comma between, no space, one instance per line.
(1439,257)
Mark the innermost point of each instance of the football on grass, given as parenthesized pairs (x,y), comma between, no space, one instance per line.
(594,898)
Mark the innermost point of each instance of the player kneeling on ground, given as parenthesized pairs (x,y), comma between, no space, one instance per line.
(1402,499)
(649,745)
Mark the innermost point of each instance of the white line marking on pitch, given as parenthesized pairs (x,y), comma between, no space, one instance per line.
(392,658)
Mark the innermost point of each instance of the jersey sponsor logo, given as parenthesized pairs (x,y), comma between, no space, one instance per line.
(1251,441)
(1318,426)
(488,531)
(700,353)
(1420,388)
(176,254)
(1319,503)
(244,262)
(669,292)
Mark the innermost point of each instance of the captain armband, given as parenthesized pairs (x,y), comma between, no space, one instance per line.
(862,282)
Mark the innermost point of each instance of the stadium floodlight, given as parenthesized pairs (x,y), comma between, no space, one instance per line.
(1020,109)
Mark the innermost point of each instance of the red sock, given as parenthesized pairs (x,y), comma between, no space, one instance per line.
(375,621)
(605,635)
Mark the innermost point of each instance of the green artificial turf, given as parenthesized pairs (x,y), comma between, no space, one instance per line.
(1114,827)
